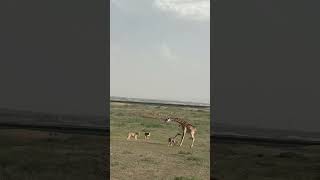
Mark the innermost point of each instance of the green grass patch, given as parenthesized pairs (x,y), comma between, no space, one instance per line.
(150,125)
(153,159)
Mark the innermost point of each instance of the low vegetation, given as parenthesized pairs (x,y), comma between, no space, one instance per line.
(153,159)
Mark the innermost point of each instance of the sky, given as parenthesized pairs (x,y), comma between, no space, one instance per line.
(160,49)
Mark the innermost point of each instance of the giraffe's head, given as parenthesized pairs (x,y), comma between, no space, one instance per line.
(167,120)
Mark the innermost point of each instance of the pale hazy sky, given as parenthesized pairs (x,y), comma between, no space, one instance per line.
(160,49)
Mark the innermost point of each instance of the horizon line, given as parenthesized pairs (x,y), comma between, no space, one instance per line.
(167,100)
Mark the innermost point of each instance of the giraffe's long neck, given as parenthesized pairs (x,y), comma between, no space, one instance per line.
(181,122)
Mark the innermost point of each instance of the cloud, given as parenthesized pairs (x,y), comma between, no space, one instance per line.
(198,10)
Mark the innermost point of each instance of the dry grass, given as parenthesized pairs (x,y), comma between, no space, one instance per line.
(154,159)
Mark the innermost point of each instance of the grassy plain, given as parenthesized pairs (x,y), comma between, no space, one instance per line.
(153,159)
(39,155)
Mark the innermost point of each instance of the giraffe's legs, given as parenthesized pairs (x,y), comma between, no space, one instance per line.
(193,138)
(182,138)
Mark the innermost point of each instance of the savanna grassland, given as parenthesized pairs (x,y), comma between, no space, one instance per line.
(247,161)
(43,155)
(153,159)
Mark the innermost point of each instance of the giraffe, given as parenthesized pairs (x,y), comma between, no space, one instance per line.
(186,128)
